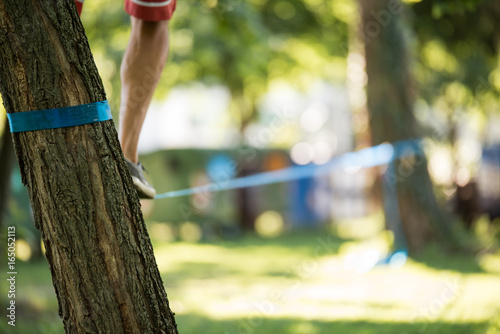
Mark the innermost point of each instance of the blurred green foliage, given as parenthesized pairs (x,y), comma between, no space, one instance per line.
(240,44)
(457,70)
(443,7)
(458,46)
(245,45)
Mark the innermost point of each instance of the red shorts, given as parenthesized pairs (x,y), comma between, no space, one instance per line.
(147,10)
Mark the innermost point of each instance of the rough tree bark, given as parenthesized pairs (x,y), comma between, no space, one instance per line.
(390,100)
(99,253)
(6,163)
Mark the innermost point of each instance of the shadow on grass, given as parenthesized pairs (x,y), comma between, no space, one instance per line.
(196,324)
(191,324)
(306,242)
(31,320)
(36,275)
(434,256)
(437,258)
(300,241)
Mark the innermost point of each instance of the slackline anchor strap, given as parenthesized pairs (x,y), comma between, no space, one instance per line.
(59,117)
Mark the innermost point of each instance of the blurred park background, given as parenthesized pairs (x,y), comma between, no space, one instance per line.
(261,85)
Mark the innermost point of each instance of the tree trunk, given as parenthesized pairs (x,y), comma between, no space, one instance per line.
(99,253)
(7,160)
(390,103)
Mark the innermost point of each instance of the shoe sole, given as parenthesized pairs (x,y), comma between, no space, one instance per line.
(143,191)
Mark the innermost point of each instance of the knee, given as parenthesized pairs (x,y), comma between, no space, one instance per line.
(151,29)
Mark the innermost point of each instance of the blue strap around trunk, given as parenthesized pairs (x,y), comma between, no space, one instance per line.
(59,117)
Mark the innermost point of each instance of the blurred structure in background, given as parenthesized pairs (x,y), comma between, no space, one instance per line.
(488,182)
(481,196)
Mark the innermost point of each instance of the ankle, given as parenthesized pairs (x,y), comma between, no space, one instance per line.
(133,158)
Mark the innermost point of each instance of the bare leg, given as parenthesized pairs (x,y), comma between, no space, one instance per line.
(142,65)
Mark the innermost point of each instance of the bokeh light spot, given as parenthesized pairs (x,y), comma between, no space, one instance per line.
(269,224)
(162,232)
(302,153)
(190,232)
(23,250)
(322,152)
(314,117)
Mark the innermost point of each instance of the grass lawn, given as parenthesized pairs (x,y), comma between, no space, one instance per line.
(303,283)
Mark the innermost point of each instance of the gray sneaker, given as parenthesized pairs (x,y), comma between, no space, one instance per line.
(144,189)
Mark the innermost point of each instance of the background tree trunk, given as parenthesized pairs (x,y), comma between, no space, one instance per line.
(100,256)
(390,102)
(7,161)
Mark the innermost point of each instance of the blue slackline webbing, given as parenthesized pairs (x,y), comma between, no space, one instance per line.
(368,157)
(59,117)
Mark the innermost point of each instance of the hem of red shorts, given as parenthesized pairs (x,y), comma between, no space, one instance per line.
(79,7)
(149,14)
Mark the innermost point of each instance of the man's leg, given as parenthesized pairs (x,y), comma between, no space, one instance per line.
(141,68)
(142,65)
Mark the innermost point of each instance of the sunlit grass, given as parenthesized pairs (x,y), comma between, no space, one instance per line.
(301,283)
(233,283)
